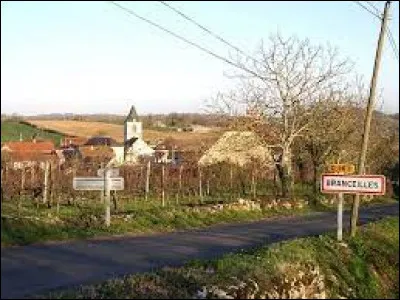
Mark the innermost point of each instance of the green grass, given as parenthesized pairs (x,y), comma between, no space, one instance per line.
(85,218)
(10,131)
(31,224)
(366,266)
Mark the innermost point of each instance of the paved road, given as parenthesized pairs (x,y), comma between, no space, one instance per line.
(32,269)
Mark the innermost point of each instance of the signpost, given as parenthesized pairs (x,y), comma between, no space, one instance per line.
(341,168)
(351,184)
(113,172)
(106,182)
(97,183)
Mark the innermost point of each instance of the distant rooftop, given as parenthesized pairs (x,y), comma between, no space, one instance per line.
(102,141)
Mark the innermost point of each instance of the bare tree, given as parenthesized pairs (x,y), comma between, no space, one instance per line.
(332,127)
(292,76)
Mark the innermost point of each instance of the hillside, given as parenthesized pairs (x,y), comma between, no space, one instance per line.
(11,131)
(186,140)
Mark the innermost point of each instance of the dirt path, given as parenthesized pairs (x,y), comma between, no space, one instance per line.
(33,269)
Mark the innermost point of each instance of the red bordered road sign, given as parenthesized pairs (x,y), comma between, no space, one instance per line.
(353,184)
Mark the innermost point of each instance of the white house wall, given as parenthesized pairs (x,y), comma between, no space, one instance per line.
(140,148)
(119,154)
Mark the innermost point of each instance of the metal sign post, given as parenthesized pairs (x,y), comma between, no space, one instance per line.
(341,182)
(113,172)
(351,184)
(340,218)
(105,183)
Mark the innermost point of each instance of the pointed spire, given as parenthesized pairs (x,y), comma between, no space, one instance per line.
(132,115)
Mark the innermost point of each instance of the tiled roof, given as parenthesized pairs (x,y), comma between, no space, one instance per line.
(70,153)
(74,141)
(41,146)
(130,142)
(96,151)
(101,140)
(17,156)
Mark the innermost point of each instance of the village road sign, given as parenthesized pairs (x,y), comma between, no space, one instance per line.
(113,172)
(97,183)
(341,168)
(353,184)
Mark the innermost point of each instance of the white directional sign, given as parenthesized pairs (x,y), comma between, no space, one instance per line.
(353,184)
(97,183)
(113,172)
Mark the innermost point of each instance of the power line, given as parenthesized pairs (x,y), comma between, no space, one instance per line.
(186,40)
(389,33)
(393,44)
(367,9)
(207,30)
(373,7)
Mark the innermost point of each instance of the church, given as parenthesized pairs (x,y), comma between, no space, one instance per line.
(134,147)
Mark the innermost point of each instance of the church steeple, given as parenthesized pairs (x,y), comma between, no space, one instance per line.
(132,125)
(132,116)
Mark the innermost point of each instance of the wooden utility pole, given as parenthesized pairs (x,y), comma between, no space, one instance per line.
(368,116)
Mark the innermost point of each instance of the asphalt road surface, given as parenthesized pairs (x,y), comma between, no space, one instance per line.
(34,269)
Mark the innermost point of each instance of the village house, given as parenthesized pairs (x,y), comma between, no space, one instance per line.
(167,152)
(68,142)
(22,154)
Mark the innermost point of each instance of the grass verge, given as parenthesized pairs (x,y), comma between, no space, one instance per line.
(366,266)
(31,225)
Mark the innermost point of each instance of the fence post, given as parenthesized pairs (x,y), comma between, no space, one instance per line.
(6,172)
(162,184)
(46,180)
(22,180)
(231,183)
(231,177)
(148,179)
(166,183)
(200,185)
(114,196)
(2,171)
(107,197)
(73,192)
(58,204)
(33,175)
(253,183)
(180,180)
(104,179)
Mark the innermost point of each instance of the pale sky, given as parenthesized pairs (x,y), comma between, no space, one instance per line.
(91,57)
